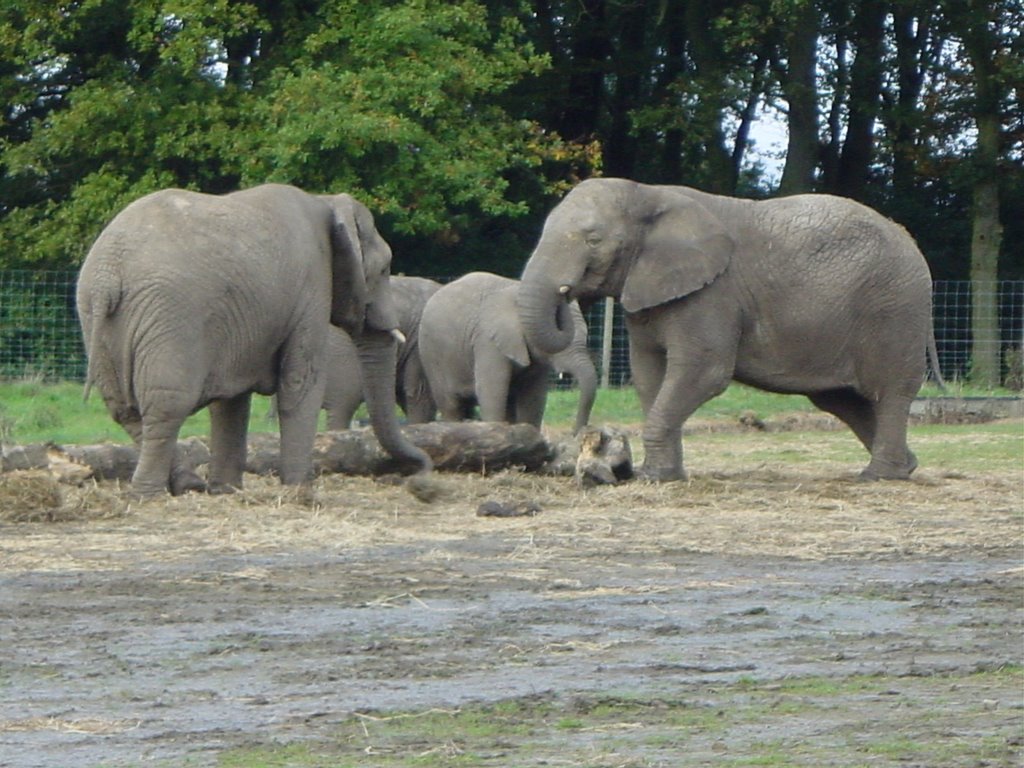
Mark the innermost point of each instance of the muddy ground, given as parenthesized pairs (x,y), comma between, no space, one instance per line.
(769,608)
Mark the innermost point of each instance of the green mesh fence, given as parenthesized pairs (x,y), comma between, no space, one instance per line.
(40,337)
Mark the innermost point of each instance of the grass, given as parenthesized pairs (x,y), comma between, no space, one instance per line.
(621,406)
(32,411)
(863,719)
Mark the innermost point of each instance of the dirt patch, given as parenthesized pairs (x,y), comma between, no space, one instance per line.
(177,631)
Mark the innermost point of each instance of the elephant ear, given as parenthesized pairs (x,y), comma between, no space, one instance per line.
(349,293)
(685,248)
(501,325)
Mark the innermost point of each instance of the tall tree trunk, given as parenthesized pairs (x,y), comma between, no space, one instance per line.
(799,86)
(833,147)
(911,28)
(585,96)
(757,88)
(629,66)
(986,237)
(986,230)
(671,166)
(711,85)
(865,91)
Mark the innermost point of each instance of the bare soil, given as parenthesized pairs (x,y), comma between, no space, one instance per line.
(178,631)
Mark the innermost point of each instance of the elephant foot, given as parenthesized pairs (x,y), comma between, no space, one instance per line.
(185,480)
(660,474)
(304,494)
(222,489)
(887,470)
(145,492)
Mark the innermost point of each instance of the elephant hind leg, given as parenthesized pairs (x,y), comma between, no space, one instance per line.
(891,458)
(159,468)
(182,478)
(528,395)
(342,407)
(229,424)
(852,409)
(880,426)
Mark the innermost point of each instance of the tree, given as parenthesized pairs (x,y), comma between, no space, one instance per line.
(986,41)
(798,78)
(395,102)
(115,99)
(461,122)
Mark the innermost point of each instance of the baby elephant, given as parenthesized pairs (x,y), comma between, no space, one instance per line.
(473,352)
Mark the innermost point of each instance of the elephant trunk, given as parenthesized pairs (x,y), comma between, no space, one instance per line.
(544,312)
(576,361)
(377,357)
(586,379)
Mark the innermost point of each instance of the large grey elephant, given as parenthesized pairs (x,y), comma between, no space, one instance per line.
(809,294)
(474,352)
(188,300)
(344,390)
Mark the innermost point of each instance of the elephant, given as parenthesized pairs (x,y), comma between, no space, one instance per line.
(474,352)
(809,294)
(344,390)
(188,299)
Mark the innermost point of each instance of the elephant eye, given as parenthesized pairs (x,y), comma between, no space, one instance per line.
(592,240)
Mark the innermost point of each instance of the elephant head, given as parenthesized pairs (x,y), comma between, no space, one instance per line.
(641,244)
(362,304)
(361,292)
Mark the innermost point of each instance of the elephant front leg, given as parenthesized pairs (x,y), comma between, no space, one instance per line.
(671,386)
(229,426)
(492,375)
(299,410)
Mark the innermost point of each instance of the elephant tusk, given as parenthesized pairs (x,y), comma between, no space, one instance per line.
(398,335)
(564,289)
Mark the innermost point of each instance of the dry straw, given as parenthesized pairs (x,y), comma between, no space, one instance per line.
(35,496)
(737,502)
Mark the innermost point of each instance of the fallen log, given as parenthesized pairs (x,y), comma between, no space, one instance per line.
(470,446)
(464,446)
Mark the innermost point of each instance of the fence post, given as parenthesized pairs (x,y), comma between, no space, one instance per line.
(606,341)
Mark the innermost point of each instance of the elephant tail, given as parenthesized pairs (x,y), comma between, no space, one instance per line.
(92,344)
(96,306)
(933,360)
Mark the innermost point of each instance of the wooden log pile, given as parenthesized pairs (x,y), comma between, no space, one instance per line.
(469,446)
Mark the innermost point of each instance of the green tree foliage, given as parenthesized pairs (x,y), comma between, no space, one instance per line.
(394,102)
(461,122)
(399,101)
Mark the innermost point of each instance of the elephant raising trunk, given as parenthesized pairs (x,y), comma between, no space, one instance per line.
(808,294)
(544,313)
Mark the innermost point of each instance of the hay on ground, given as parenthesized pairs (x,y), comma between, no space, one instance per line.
(36,496)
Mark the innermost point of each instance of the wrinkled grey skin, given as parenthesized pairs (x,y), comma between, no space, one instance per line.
(808,294)
(473,351)
(344,391)
(188,300)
